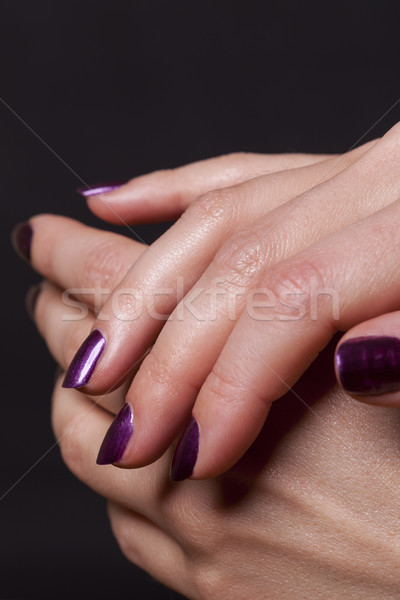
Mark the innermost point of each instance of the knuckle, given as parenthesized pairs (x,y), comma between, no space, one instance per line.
(242,257)
(103,264)
(222,387)
(296,286)
(215,206)
(156,369)
(126,305)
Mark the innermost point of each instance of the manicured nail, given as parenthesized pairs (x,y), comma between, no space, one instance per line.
(22,240)
(369,366)
(117,437)
(82,366)
(186,452)
(99,188)
(31,299)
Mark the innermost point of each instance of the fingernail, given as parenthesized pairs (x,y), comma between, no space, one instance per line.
(117,437)
(31,299)
(82,366)
(186,452)
(99,188)
(369,366)
(22,240)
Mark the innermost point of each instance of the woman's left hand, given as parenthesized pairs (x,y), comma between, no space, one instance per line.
(300,515)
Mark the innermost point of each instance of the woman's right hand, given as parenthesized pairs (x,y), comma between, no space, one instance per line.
(262,293)
(89,263)
(62,252)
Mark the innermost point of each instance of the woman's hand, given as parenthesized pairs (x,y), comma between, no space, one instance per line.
(255,310)
(91,263)
(310,511)
(233,402)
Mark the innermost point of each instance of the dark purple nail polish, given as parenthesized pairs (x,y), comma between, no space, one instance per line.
(117,437)
(370,365)
(82,366)
(186,452)
(99,188)
(31,299)
(22,240)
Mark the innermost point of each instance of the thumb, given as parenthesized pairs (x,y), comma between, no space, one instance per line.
(367,361)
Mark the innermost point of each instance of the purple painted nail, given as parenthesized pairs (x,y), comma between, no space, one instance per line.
(370,365)
(31,299)
(99,188)
(117,437)
(186,452)
(82,366)
(22,240)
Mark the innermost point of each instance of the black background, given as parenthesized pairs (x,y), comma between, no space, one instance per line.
(117,89)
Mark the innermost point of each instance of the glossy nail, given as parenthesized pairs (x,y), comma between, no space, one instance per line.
(186,452)
(117,437)
(22,240)
(370,365)
(31,299)
(82,366)
(99,188)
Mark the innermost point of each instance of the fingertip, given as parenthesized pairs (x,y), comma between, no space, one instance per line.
(108,201)
(85,360)
(368,368)
(116,440)
(186,452)
(100,188)
(21,239)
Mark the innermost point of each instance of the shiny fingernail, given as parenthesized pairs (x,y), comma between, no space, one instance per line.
(82,366)
(22,240)
(370,365)
(186,452)
(31,299)
(99,188)
(117,437)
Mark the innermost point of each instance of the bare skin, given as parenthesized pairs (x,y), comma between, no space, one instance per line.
(77,258)
(310,511)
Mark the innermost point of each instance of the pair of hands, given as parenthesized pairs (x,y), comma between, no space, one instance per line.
(275,231)
(254,279)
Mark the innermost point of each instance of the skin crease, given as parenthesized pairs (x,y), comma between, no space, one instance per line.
(276,353)
(310,511)
(53,242)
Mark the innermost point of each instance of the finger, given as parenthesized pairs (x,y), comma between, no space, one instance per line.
(312,299)
(136,311)
(62,332)
(79,426)
(86,262)
(164,195)
(166,386)
(148,547)
(367,361)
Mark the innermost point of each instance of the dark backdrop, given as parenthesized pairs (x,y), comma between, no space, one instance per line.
(117,89)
